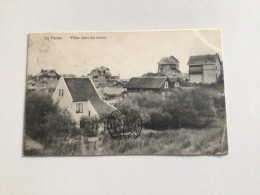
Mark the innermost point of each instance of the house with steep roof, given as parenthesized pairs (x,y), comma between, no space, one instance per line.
(80,97)
(205,68)
(161,85)
(46,80)
(168,66)
(100,75)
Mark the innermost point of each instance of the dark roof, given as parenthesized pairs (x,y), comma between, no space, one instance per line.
(174,79)
(203,59)
(46,73)
(117,84)
(168,60)
(82,89)
(30,81)
(102,69)
(145,82)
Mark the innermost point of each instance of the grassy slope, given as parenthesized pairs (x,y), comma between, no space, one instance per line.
(212,140)
(179,142)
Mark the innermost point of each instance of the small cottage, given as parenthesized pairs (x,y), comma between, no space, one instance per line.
(46,80)
(80,97)
(160,85)
(100,76)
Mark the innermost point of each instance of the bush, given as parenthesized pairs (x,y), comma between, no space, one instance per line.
(202,102)
(189,108)
(219,101)
(44,120)
(59,124)
(37,107)
(180,105)
(89,126)
(159,121)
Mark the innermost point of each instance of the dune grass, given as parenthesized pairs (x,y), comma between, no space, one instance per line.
(170,142)
(207,141)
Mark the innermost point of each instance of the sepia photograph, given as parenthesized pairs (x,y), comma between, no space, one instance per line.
(125,93)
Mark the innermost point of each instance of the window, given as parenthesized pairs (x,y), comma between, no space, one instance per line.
(88,113)
(79,108)
(61,92)
(166,85)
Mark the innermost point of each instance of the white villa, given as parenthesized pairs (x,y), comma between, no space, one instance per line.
(80,97)
(205,68)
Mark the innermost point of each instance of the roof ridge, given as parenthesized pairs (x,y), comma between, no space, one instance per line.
(205,55)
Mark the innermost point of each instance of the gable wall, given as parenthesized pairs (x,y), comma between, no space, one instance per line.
(169,85)
(66,102)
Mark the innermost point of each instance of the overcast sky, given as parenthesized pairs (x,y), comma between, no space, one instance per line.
(127,54)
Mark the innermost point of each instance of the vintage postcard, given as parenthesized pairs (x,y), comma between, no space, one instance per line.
(125,93)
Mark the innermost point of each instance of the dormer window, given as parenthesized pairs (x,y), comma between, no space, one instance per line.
(61,92)
(166,84)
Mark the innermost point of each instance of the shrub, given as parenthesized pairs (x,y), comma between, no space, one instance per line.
(89,126)
(59,124)
(219,101)
(202,102)
(159,121)
(44,120)
(189,108)
(182,110)
(37,107)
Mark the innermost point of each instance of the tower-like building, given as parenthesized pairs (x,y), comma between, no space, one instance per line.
(168,66)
